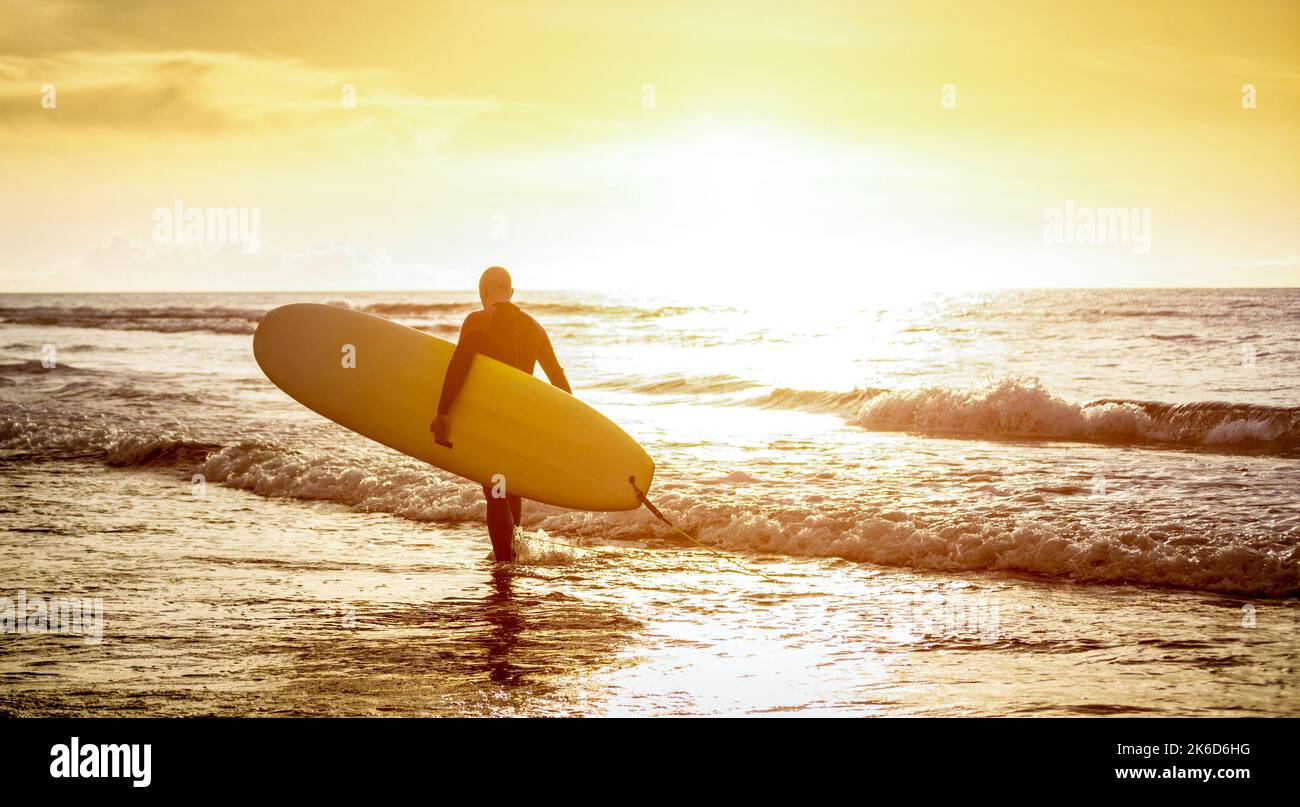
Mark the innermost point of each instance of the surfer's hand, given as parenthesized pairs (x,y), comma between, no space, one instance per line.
(441,428)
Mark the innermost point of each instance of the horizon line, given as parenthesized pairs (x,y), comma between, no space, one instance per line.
(552,289)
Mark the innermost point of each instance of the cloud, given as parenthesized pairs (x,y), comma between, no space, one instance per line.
(195,92)
(1282,262)
(121,261)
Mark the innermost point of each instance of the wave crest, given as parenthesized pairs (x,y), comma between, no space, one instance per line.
(1024,408)
(1153,554)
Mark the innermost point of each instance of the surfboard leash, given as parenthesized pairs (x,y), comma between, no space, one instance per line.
(631,480)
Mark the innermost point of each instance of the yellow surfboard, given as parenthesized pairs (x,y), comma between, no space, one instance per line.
(382,380)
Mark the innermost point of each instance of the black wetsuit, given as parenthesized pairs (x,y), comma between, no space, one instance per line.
(506,334)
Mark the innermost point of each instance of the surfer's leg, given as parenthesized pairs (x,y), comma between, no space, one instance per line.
(516,510)
(501,526)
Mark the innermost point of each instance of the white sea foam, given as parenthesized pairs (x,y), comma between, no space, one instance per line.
(1245,564)
(976,518)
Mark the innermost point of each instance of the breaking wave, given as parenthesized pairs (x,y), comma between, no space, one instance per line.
(227,320)
(1024,409)
(1155,554)
(166,319)
(1015,408)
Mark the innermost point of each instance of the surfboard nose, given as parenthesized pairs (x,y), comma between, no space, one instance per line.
(271,332)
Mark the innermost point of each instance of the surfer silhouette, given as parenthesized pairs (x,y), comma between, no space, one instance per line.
(500,330)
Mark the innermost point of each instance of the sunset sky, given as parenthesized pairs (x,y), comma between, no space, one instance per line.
(683,146)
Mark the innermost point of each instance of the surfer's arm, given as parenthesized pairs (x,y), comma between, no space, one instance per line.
(551,365)
(458,367)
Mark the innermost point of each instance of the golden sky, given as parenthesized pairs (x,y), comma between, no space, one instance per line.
(773,147)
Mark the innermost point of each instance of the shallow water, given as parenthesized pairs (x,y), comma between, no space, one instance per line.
(955,529)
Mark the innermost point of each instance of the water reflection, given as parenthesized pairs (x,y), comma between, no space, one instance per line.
(508,625)
(510,651)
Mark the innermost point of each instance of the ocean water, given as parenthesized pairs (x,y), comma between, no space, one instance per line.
(1013,502)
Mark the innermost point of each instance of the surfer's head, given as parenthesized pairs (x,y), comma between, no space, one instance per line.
(494,286)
